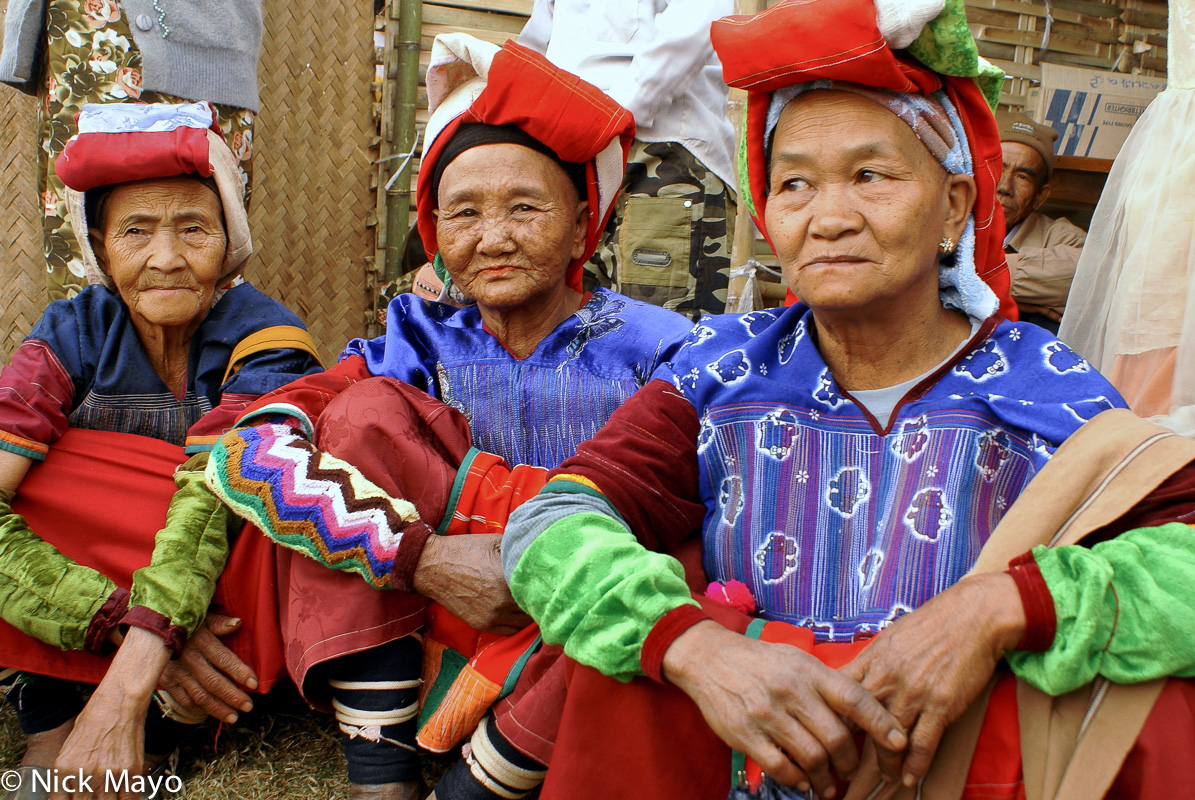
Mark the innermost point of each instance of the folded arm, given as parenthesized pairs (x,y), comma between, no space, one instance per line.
(42,592)
(1122,610)
(580,558)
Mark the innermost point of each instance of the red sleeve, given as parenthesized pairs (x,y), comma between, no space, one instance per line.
(219,421)
(644,460)
(150,620)
(1041,621)
(666,631)
(312,393)
(36,395)
(1172,501)
(105,620)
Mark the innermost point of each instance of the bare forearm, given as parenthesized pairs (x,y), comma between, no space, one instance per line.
(464,574)
(138,665)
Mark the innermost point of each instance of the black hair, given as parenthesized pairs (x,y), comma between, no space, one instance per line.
(477,134)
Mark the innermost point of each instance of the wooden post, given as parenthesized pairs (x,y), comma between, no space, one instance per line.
(409,14)
(743,247)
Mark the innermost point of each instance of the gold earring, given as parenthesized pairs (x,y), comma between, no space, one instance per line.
(946,245)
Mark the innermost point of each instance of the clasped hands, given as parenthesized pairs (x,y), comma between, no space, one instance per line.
(797,718)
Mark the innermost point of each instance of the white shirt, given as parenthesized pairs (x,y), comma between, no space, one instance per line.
(655,58)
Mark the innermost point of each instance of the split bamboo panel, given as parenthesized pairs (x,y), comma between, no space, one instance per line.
(311,196)
(22,265)
(311,192)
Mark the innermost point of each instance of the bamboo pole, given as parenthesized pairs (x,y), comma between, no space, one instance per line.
(743,247)
(409,14)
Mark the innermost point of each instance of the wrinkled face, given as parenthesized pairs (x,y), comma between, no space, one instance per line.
(857,205)
(1021,191)
(162,243)
(508,224)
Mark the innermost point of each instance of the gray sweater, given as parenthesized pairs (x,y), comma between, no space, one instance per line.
(197,51)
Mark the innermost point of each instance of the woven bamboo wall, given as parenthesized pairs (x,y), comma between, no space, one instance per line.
(311,176)
(22,285)
(311,191)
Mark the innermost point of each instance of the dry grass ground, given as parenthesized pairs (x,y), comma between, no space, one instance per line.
(280,752)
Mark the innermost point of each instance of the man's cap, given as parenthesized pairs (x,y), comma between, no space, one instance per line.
(1018,127)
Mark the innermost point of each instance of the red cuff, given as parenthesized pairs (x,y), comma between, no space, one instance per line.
(666,631)
(108,617)
(1041,622)
(150,620)
(414,537)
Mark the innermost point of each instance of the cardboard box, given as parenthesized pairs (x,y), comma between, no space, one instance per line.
(1092,110)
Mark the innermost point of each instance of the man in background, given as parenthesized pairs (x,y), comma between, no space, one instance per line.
(1041,252)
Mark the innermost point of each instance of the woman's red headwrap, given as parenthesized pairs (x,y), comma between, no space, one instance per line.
(472,81)
(791,43)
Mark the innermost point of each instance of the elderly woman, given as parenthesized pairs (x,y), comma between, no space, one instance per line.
(845,460)
(522,164)
(106,391)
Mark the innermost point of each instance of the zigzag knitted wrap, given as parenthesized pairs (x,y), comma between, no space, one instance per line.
(308,500)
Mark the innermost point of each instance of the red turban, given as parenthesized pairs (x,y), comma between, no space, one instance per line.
(839,40)
(471,81)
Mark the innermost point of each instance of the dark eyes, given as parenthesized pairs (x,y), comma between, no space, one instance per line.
(802,185)
(472,212)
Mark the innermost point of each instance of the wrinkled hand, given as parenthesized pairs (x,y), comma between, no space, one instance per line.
(205,677)
(779,705)
(464,574)
(109,734)
(928,666)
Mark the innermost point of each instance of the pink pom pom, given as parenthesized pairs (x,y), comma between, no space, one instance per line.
(734,594)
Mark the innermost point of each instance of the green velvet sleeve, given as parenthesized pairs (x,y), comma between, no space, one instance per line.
(593,588)
(42,592)
(189,551)
(1124,610)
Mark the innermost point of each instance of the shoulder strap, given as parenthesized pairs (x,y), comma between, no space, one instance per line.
(276,337)
(1098,474)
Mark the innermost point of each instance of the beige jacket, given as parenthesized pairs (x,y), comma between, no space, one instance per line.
(1042,256)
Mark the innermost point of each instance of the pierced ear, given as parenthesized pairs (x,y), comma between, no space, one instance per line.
(581,228)
(96,237)
(961,200)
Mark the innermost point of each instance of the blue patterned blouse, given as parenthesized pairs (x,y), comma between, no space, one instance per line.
(534,410)
(835,523)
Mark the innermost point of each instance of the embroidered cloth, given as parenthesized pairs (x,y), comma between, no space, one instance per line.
(534,410)
(803,482)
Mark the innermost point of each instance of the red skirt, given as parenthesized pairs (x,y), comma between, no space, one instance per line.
(100,498)
(644,739)
(410,445)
